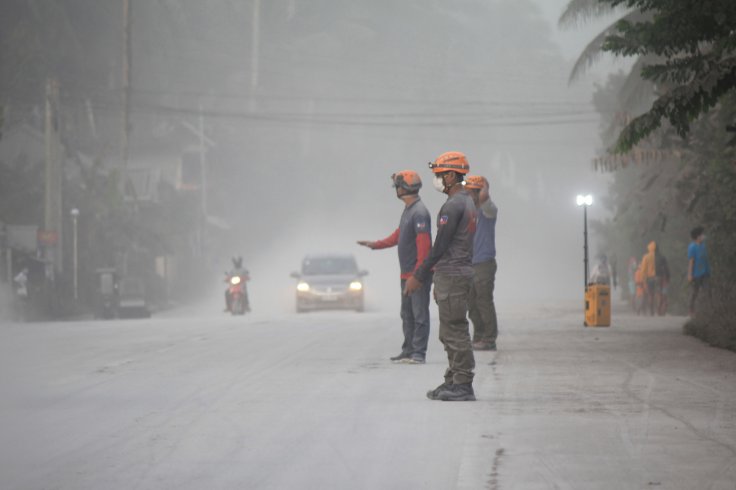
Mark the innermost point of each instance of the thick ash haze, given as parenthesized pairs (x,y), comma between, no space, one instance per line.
(312,106)
(494,86)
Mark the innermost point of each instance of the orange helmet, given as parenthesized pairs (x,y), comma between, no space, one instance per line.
(474,182)
(408,180)
(451,161)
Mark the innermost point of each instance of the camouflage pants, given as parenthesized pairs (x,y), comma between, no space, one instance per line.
(451,295)
(480,303)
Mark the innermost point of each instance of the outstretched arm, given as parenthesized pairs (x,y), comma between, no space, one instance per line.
(390,241)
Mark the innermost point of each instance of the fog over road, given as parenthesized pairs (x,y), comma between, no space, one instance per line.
(311,401)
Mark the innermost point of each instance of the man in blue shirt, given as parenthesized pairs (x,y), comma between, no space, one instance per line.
(481,309)
(698,269)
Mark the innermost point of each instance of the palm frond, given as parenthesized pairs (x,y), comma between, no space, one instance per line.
(579,11)
(593,51)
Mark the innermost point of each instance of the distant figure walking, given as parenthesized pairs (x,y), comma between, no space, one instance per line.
(663,281)
(631,276)
(698,268)
(649,272)
(613,266)
(640,296)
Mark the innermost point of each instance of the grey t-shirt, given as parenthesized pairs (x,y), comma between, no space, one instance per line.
(452,253)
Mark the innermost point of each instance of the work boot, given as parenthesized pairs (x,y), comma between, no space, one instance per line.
(400,357)
(484,345)
(457,393)
(432,394)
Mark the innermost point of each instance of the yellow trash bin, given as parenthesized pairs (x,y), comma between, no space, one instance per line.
(598,306)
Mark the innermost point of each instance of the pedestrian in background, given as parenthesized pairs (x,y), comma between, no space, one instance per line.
(631,276)
(663,280)
(414,240)
(613,263)
(698,268)
(640,297)
(649,272)
(481,307)
(452,260)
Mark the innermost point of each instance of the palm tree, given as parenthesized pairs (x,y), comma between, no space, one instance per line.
(635,92)
(580,11)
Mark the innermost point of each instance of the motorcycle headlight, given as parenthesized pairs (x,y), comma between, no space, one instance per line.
(235,280)
(303,287)
(356,286)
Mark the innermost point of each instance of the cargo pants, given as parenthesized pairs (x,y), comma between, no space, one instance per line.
(451,294)
(482,310)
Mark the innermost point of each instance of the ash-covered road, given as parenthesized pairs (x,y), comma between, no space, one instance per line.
(312,402)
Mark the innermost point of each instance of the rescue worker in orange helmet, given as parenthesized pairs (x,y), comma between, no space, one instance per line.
(414,240)
(482,310)
(451,257)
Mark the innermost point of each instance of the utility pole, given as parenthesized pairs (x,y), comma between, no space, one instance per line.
(256,41)
(202,162)
(585,246)
(75,253)
(51,236)
(126,90)
(254,54)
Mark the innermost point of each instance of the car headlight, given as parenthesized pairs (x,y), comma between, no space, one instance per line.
(235,280)
(303,287)
(356,286)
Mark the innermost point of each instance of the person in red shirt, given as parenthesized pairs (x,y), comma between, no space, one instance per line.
(414,240)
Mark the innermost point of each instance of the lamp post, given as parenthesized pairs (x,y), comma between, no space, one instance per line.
(75,215)
(585,201)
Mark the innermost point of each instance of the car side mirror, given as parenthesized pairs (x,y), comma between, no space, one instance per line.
(363,273)
(295,275)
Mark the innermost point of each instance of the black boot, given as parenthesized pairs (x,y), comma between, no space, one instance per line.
(457,393)
(432,394)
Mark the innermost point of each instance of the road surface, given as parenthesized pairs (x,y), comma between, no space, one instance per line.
(312,402)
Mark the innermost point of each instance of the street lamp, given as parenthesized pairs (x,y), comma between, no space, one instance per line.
(585,201)
(75,215)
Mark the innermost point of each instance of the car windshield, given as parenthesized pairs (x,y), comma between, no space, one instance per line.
(329,265)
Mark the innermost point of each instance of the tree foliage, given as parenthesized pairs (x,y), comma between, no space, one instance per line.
(695,45)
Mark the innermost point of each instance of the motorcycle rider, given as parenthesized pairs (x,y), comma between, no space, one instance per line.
(244,275)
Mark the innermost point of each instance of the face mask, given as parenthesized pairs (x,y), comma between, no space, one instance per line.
(438,183)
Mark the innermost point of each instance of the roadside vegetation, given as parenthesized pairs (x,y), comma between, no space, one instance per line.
(668,139)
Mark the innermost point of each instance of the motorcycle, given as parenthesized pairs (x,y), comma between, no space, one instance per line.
(238,295)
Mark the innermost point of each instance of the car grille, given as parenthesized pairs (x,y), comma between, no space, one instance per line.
(319,289)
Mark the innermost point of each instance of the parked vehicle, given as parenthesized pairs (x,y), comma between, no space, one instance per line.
(132,298)
(329,281)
